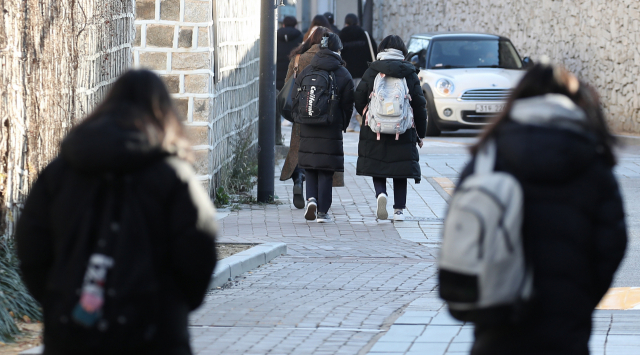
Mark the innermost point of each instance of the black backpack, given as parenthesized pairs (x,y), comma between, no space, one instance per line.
(114,229)
(316,98)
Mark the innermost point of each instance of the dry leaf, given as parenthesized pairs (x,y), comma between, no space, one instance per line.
(26,318)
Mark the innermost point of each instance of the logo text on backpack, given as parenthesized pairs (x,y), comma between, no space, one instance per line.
(312,98)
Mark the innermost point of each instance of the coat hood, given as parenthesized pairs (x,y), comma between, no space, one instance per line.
(288,34)
(103,145)
(326,60)
(396,68)
(546,140)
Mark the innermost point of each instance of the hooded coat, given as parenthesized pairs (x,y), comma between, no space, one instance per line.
(321,146)
(573,229)
(288,38)
(177,215)
(355,51)
(388,157)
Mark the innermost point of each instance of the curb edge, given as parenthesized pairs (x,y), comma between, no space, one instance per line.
(247,260)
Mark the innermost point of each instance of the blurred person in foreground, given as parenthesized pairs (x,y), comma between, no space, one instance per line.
(116,240)
(553,138)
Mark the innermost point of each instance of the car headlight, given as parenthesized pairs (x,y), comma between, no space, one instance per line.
(444,87)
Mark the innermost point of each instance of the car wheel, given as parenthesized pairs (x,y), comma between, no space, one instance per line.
(432,129)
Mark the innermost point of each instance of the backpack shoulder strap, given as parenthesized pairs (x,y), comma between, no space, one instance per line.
(334,85)
(295,66)
(373,57)
(486,158)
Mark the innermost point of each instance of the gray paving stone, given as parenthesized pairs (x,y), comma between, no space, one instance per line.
(354,283)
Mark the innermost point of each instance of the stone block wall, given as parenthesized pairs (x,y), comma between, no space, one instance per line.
(598,40)
(175,38)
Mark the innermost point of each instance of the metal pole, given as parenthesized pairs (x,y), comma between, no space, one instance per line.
(267,102)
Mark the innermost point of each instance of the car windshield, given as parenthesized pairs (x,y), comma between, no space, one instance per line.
(487,53)
(417,44)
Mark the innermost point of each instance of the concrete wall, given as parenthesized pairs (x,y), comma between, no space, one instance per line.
(214,80)
(598,40)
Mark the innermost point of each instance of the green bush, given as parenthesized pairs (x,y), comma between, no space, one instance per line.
(241,173)
(15,300)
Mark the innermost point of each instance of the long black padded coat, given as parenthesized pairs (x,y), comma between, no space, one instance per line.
(179,218)
(321,146)
(387,157)
(574,235)
(356,52)
(288,39)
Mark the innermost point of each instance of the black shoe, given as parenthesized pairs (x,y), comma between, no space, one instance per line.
(298,197)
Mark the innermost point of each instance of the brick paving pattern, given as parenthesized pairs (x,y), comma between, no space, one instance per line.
(356,285)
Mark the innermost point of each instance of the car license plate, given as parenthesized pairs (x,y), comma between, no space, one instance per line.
(490,108)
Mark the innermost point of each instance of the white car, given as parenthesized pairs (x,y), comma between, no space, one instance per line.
(466,77)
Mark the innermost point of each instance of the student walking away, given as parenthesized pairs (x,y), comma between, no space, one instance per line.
(331,20)
(395,122)
(288,39)
(304,53)
(322,108)
(116,239)
(318,21)
(552,139)
(359,50)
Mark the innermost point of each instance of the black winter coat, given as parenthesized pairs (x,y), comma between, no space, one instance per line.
(574,235)
(321,146)
(288,39)
(387,157)
(355,51)
(179,218)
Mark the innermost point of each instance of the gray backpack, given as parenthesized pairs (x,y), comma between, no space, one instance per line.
(482,268)
(389,110)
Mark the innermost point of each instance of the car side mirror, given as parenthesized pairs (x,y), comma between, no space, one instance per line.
(413,58)
(527,63)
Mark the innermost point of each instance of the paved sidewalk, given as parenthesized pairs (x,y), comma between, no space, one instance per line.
(354,286)
(339,288)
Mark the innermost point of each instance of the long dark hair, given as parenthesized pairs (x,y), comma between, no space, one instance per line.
(318,20)
(140,100)
(544,79)
(315,38)
(395,42)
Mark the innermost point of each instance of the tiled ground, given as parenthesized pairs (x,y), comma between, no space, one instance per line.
(357,285)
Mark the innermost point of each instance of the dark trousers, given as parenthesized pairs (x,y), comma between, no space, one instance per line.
(319,184)
(298,173)
(399,191)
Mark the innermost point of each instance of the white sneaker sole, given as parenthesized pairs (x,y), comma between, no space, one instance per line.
(323,220)
(382,207)
(397,218)
(310,212)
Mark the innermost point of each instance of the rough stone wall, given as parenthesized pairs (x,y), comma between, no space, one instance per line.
(57,59)
(596,39)
(175,39)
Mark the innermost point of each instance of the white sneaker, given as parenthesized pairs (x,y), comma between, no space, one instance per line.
(398,215)
(382,206)
(310,211)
